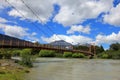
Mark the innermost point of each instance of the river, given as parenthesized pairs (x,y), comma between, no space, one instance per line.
(74,69)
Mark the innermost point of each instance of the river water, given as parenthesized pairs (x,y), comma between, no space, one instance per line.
(74,69)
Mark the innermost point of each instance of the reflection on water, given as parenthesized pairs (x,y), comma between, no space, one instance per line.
(74,69)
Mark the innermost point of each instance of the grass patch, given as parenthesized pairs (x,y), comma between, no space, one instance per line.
(12,76)
(12,71)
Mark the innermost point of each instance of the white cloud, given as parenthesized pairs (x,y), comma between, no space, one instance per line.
(3,4)
(32,37)
(18,32)
(15,31)
(71,11)
(3,20)
(14,13)
(73,39)
(79,29)
(74,12)
(112,38)
(42,8)
(113,17)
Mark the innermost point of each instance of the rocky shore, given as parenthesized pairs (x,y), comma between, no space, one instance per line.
(9,70)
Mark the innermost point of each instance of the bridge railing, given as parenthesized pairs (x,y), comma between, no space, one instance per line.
(26,44)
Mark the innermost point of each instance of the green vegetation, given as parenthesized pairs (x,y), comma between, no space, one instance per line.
(67,54)
(112,53)
(81,47)
(78,55)
(26,58)
(104,56)
(16,52)
(5,54)
(73,55)
(115,46)
(47,53)
(11,71)
(14,75)
(99,49)
(25,54)
(59,55)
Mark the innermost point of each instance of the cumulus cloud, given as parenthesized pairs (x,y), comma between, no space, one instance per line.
(74,12)
(79,28)
(113,17)
(14,13)
(71,11)
(18,32)
(3,20)
(42,8)
(3,4)
(112,38)
(15,31)
(73,39)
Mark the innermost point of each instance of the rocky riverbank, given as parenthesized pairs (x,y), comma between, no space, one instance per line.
(9,70)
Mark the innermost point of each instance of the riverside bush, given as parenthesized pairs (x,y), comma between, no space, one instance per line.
(78,55)
(1,56)
(47,53)
(59,55)
(110,54)
(67,54)
(26,58)
(114,54)
(5,54)
(16,52)
(105,56)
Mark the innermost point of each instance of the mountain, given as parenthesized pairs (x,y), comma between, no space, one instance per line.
(6,37)
(61,43)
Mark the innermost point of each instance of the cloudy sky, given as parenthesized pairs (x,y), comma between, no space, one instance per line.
(75,21)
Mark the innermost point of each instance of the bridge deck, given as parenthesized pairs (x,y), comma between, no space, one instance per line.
(11,42)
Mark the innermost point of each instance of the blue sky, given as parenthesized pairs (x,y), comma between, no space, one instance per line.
(75,21)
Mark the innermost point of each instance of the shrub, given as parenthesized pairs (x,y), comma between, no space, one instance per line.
(67,54)
(1,55)
(105,56)
(59,55)
(114,55)
(78,55)
(5,54)
(16,52)
(47,53)
(110,54)
(26,58)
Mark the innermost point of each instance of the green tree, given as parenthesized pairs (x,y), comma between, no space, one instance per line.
(81,47)
(99,49)
(5,53)
(115,46)
(26,58)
